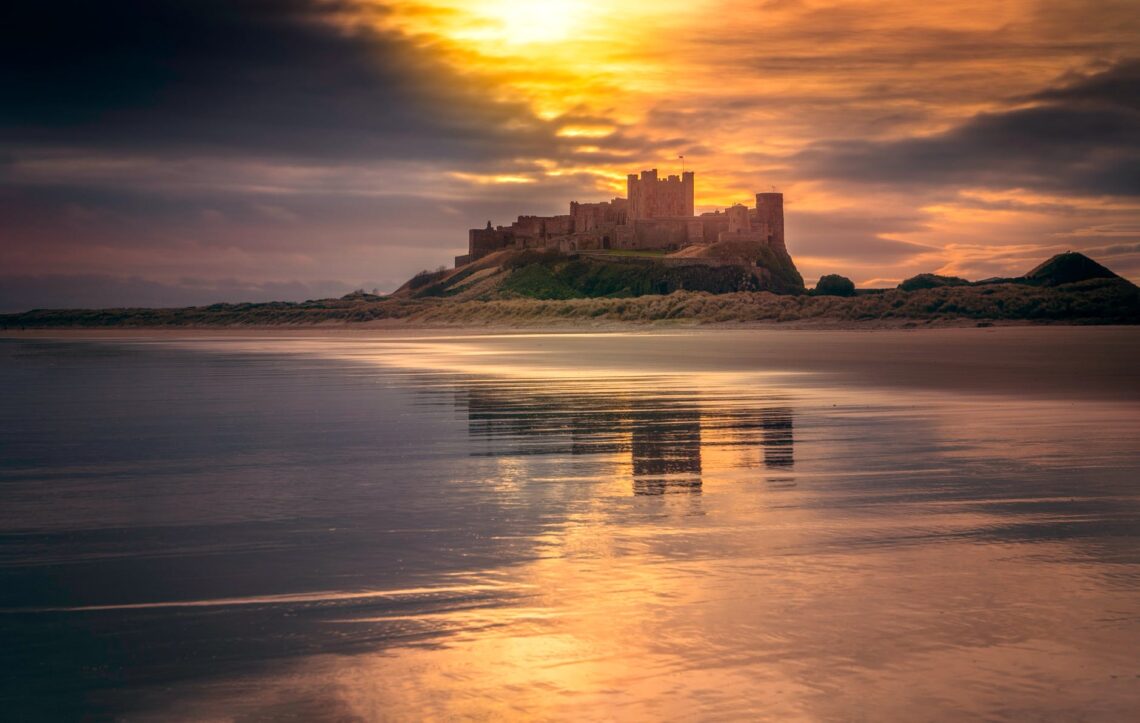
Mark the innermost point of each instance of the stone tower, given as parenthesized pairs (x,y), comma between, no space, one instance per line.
(738,219)
(653,197)
(770,219)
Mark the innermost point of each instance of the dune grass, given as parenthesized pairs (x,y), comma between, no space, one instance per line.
(1098,301)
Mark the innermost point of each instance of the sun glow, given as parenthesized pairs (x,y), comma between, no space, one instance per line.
(522,22)
(594,70)
(483,180)
(617,86)
(586,131)
(502,24)
(553,55)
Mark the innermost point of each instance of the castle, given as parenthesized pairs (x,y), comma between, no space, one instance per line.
(656,214)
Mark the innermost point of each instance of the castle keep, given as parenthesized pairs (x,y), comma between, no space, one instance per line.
(656,214)
(650,197)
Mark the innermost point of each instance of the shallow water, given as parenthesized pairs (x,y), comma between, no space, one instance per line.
(712,524)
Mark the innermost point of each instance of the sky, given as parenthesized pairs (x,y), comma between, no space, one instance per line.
(172,152)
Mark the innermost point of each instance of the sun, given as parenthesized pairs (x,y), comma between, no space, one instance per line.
(551,54)
(497,25)
(524,22)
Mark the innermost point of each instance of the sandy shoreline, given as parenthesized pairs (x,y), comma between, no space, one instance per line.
(568,327)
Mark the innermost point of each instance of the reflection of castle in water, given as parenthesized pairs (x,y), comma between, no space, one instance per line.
(779,437)
(666,448)
(664,433)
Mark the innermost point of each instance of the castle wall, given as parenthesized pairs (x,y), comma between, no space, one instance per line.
(559,226)
(528,227)
(695,232)
(659,233)
(712,226)
(599,239)
(586,217)
(482,241)
(532,231)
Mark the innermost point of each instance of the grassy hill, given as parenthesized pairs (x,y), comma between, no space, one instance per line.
(549,275)
(1068,268)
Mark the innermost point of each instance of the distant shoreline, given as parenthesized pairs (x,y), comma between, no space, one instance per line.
(527,290)
(1095,301)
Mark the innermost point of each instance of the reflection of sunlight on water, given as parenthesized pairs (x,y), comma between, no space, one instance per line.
(313,598)
(472,355)
(615,623)
(751,544)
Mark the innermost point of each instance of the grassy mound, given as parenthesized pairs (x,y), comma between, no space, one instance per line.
(834,285)
(1068,268)
(931,281)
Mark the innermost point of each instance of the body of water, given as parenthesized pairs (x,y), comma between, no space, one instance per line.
(889,525)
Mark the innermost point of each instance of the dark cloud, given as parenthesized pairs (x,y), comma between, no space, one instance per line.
(1114,88)
(1082,138)
(245,76)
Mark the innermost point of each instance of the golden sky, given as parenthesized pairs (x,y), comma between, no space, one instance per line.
(209,147)
(742,88)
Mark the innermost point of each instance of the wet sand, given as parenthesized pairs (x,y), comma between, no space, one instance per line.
(711,524)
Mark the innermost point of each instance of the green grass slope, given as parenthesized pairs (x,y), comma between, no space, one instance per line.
(539,275)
